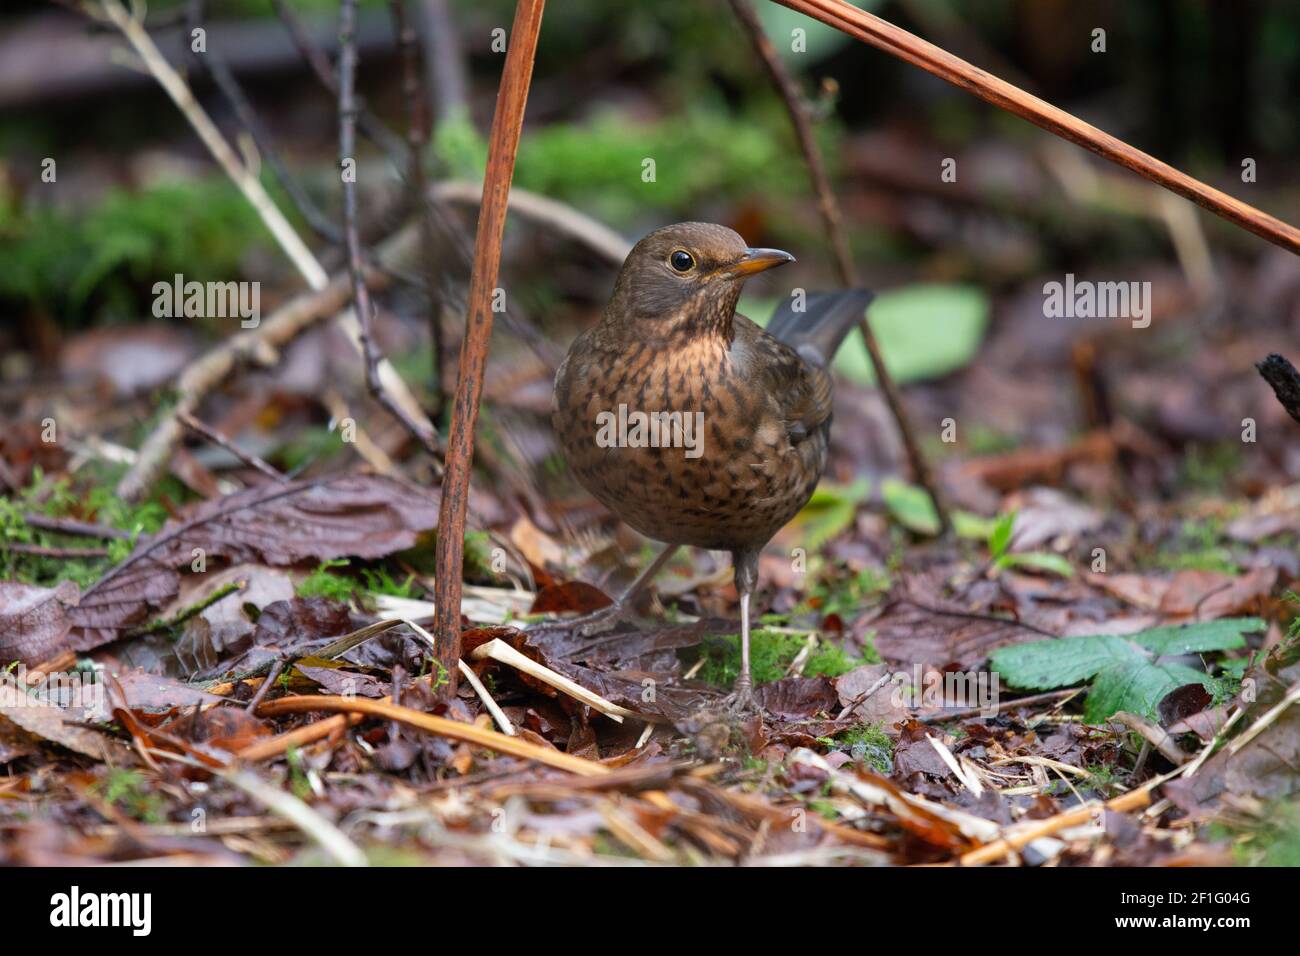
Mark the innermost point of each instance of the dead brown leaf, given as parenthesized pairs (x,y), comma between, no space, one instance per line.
(34,621)
(363,516)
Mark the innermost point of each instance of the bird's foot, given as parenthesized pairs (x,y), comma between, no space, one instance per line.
(741,701)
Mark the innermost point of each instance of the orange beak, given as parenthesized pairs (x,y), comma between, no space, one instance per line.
(759,260)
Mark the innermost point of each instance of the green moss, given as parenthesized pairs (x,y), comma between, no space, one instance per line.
(600,164)
(869,744)
(90,499)
(326,582)
(128,791)
(1198,547)
(846,597)
(1209,468)
(117,249)
(770,656)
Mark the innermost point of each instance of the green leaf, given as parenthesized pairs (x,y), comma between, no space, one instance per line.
(1038,561)
(1220,635)
(1000,537)
(924,331)
(1126,672)
(820,40)
(912,508)
(830,510)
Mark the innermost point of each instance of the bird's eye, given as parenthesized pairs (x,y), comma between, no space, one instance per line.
(682,261)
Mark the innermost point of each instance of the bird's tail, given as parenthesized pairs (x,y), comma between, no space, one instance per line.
(820,328)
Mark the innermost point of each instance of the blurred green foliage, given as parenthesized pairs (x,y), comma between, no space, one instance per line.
(58,259)
(701,158)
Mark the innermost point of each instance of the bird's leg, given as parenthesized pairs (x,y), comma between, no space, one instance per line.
(744,690)
(746,572)
(607,617)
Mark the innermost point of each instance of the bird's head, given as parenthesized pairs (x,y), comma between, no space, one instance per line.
(688,273)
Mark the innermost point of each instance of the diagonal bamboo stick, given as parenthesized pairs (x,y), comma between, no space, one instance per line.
(898,42)
(503,143)
(455,730)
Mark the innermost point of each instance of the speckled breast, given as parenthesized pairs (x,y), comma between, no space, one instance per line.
(678,445)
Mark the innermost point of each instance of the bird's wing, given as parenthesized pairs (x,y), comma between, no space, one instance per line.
(799,391)
(821,323)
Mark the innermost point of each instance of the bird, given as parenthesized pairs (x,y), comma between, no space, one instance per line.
(692,423)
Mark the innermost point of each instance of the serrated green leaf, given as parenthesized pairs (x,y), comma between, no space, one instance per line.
(1138,689)
(1126,672)
(1220,635)
(1042,665)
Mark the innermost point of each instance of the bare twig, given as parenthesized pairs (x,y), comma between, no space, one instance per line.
(212,435)
(132,27)
(503,144)
(40,551)
(267,683)
(453,239)
(137,480)
(417,138)
(224,78)
(898,42)
(1285,380)
(501,652)
(316,58)
(1155,735)
(1027,833)
(417,426)
(282,803)
(1030,701)
(550,214)
(801,119)
(443,60)
(67,526)
(214,367)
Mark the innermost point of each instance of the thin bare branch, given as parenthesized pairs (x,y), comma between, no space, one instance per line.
(212,435)
(419,429)
(215,64)
(417,139)
(801,119)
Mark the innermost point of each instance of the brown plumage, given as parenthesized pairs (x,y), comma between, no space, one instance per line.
(757,407)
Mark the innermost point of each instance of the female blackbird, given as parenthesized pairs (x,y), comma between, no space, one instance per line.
(689,421)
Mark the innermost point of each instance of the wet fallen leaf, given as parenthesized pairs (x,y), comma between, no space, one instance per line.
(58,726)
(575,596)
(34,621)
(364,516)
